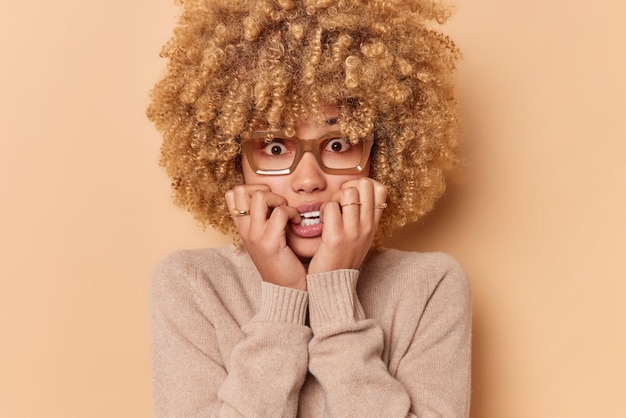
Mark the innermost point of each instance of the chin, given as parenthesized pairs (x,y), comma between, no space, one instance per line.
(304,248)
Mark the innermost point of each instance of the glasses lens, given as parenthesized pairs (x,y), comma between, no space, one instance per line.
(340,153)
(273,153)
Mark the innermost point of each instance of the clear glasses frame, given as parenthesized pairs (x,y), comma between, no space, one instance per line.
(302,146)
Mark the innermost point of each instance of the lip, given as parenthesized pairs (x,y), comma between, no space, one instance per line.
(309,207)
(308,231)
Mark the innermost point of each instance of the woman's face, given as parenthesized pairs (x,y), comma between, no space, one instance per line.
(306,188)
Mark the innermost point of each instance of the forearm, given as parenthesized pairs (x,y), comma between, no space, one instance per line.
(431,366)
(205,364)
(268,367)
(345,352)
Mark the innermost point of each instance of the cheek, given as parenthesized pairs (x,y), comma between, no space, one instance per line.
(250,177)
(338,181)
(364,173)
(248,174)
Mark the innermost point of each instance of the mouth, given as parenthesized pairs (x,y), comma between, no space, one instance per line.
(310,218)
(311,225)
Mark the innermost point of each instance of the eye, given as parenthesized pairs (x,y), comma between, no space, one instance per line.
(337,145)
(275,148)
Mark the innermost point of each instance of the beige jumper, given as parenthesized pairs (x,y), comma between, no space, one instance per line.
(389,340)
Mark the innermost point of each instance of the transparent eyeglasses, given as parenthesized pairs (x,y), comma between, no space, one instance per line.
(275,153)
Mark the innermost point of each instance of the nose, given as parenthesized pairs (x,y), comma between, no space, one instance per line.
(308,176)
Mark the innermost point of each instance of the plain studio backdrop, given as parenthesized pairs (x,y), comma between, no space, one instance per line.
(539,223)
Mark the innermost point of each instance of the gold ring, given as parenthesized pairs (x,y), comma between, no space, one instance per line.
(236,212)
(381,206)
(350,204)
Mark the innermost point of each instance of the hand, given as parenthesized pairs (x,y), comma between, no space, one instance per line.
(263,233)
(350,224)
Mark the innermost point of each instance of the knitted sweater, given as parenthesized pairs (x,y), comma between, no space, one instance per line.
(389,340)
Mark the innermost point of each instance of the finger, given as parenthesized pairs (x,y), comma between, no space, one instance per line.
(240,195)
(330,214)
(230,200)
(243,199)
(281,215)
(350,202)
(265,202)
(238,201)
(365,188)
(380,199)
(262,203)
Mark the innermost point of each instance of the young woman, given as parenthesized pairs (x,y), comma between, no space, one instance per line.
(306,128)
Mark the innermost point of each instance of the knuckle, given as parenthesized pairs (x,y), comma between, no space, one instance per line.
(229,195)
(351,192)
(279,212)
(240,192)
(257,195)
(365,181)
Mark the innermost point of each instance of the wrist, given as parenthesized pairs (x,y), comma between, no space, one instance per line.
(282,304)
(333,297)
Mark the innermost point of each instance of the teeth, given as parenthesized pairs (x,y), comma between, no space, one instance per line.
(315,214)
(310,218)
(310,221)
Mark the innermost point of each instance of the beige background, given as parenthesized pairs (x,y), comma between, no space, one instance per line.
(539,223)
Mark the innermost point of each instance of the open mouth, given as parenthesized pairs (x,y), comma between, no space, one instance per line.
(310,218)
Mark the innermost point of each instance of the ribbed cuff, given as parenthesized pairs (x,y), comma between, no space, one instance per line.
(333,298)
(282,304)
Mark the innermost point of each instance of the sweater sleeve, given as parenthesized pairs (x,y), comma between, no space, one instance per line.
(266,368)
(432,379)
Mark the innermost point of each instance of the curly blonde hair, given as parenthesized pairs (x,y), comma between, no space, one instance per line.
(238,64)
